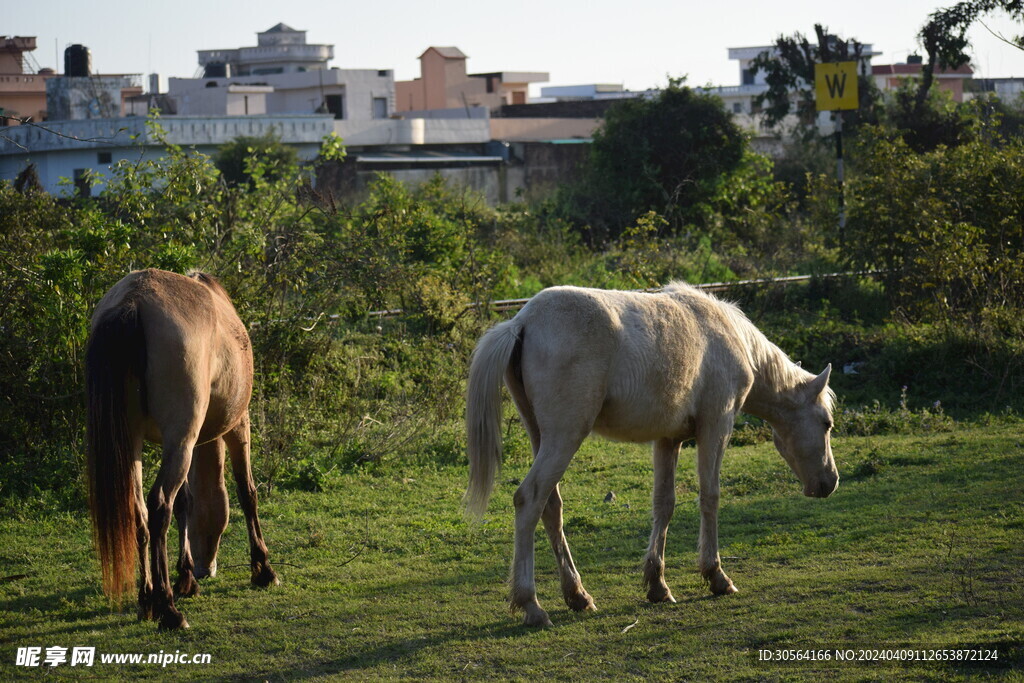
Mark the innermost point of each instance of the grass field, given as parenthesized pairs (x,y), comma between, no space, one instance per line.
(920,547)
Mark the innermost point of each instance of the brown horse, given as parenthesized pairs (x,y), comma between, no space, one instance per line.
(168,361)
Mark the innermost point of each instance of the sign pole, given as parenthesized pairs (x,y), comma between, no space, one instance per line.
(840,176)
(835,90)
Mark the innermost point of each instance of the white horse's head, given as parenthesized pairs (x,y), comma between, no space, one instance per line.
(802,436)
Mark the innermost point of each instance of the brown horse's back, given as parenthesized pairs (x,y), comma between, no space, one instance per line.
(186,318)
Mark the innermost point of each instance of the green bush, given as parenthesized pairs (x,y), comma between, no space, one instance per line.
(945,227)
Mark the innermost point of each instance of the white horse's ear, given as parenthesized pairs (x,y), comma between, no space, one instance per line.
(818,384)
(799,363)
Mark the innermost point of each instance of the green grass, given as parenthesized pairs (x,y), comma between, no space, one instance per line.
(382,578)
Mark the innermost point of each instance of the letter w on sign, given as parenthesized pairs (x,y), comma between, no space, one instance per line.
(835,86)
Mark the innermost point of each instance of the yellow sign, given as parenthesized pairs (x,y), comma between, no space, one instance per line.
(835,86)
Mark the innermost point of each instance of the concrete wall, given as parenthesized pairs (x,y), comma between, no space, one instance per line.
(527,130)
(349,183)
(409,95)
(413,131)
(229,101)
(535,172)
(89,97)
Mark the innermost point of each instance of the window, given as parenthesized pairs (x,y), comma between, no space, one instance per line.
(380,107)
(383,73)
(104,157)
(335,105)
(737,108)
(748,77)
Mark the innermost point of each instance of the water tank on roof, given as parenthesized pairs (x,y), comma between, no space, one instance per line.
(77,61)
(216,70)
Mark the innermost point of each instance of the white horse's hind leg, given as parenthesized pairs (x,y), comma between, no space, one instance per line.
(666,455)
(711,442)
(576,597)
(530,499)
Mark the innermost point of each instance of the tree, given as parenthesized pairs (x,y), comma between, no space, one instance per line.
(944,37)
(789,72)
(277,159)
(668,153)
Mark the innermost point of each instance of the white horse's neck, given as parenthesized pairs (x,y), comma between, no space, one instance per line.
(776,378)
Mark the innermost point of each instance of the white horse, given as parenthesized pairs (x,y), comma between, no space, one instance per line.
(664,367)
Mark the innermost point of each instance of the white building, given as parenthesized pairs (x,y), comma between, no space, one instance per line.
(281,49)
(70,149)
(290,77)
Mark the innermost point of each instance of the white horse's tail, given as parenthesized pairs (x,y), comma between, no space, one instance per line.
(483,411)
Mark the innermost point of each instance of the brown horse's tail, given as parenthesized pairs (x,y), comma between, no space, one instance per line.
(116,352)
(483,411)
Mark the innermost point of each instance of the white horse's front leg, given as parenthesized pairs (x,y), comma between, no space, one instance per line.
(711,443)
(666,455)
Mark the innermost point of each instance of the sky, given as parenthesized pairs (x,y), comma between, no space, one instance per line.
(637,44)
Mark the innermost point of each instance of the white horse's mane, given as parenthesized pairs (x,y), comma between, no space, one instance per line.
(777,368)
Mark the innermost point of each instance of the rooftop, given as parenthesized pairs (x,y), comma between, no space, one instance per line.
(446,52)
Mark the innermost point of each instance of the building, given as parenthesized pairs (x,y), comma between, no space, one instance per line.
(77,149)
(279,50)
(890,77)
(282,75)
(22,82)
(1007,89)
(445,84)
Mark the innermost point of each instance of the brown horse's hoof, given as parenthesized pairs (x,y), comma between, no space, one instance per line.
(187,585)
(263,576)
(146,609)
(172,619)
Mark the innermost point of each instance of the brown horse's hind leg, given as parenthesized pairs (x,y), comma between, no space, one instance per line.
(576,597)
(666,454)
(186,587)
(173,469)
(142,538)
(238,445)
(208,512)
